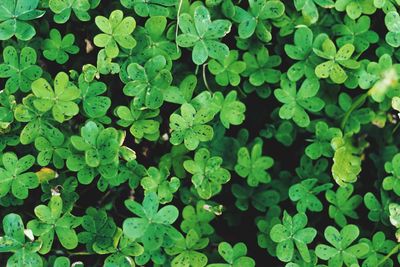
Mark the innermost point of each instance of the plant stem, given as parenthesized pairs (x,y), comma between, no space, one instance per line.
(205,78)
(355,105)
(177,24)
(394,250)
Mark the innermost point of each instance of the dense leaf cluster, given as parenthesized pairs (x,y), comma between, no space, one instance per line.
(200,133)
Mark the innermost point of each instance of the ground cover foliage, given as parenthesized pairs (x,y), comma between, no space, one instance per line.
(199,133)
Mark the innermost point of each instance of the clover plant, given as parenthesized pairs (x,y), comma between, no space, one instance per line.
(200,133)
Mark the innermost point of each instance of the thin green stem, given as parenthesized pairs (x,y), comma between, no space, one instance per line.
(177,24)
(393,251)
(354,106)
(205,78)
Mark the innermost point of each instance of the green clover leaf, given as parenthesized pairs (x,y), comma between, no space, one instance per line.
(98,151)
(296,102)
(14,177)
(117,31)
(207,173)
(379,247)
(197,219)
(190,127)
(37,123)
(292,232)
(259,197)
(59,100)
(392,182)
(341,250)
(157,181)
(253,166)
(231,110)
(14,240)
(203,35)
(94,104)
(393,25)
(257,19)
(123,249)
(21,70)
(357,33)
(346,160)
(301,51)
(148,82)
(150,8)
(57,47)
(343,204)
(14,14)
(186,251)
(309,8)
(260,67)
(153,225)
(141,123)
(355,8)
(332,68)
(62,10)
(321,145)
(227,70)
(99,231)
(50,221)
(304,193)
(234,256)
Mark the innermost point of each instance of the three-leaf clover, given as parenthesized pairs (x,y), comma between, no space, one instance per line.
(57,47)
(393,25)
(392,182)
(98,149)
(296,102)
(260,67)
(253,166)
(63,8)
(357,33)
(207,173)
(203,35)
(227,70)
(116,31)
(341,250)
(150,8)
(51,221)
(234,256)
(157,181)
(301,51)
(13,175)
(355,8)
(99,231)
(122,249)
(304,193)
(309,8)
(190,127)
(198,219)
(21,70)
(94,104)
(59,100)
(186,251)
(321,145)
(379,247)
(14,15)
(336,59)
(152,225)
(343,204)
(14,240)
(141,123)
(231,110)
(292,232)
(255,19)
(148,82)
